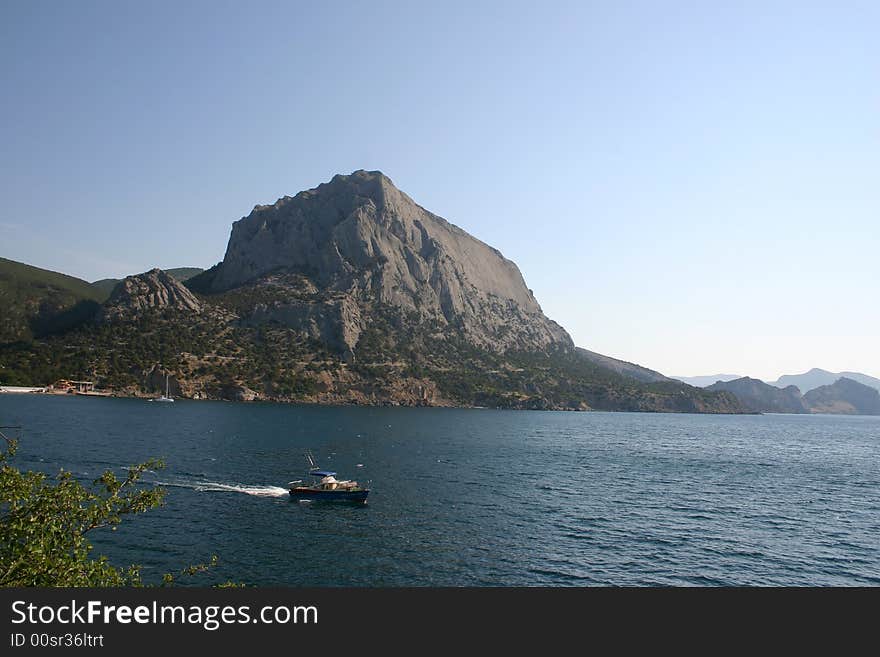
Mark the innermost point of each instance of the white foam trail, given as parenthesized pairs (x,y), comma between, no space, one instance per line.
(211,486)
(259,491)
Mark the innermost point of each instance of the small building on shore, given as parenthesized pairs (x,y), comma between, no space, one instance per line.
(69,385)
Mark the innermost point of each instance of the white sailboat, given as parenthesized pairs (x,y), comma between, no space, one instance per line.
(165,397)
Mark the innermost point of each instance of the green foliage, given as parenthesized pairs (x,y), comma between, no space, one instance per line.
(37,302)
(467,374)
(201,283)
(170,578)
(45,523)
(398,353)
(106,285)
(183,274)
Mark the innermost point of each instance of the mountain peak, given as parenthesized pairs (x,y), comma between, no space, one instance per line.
(762,397)
(154,289)
(360,237)
(374,185)
(817,377)
(363,174)
(844,396)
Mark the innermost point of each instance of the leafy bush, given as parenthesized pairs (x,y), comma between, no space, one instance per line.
(44,525)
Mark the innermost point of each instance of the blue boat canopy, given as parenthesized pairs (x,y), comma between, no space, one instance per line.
(322,473)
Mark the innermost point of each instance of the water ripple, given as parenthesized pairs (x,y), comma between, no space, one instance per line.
(476,498)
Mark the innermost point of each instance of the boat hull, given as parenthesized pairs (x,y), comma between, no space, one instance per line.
(301,493)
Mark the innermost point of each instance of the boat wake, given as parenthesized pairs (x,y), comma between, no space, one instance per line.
(211,486)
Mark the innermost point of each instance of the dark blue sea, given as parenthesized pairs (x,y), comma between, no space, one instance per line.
(479,497)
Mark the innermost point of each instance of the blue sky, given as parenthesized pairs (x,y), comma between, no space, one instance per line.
(686,185)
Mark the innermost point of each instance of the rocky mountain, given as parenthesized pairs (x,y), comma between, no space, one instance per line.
(152,290)
(760,397)
(622,367)
(359,240)
(844,396)
(706,380)
(181,274)
(817,377)
(37,302)
(349,293)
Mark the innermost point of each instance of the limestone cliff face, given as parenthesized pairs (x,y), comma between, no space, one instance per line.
(148,291)
(359,239)
(335,321)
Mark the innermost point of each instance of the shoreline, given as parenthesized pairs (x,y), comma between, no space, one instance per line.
(4,390)
(291,402)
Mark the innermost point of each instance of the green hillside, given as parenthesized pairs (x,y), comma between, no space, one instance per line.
(106,285)
(37,302)
(401,359)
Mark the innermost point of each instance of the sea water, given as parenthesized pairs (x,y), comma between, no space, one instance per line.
(474,497)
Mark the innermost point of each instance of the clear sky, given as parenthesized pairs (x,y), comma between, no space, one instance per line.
(693,186)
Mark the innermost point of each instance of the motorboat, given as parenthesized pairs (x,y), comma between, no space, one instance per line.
(324,485)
